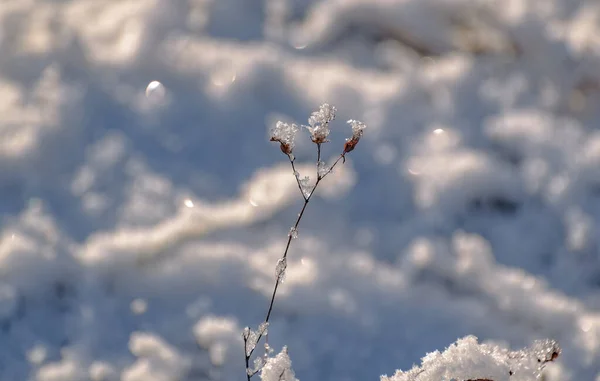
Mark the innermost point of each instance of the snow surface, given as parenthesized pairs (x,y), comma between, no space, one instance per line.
(467,359)
(144,208)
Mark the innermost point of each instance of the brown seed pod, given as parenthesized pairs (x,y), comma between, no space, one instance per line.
(350,144)
(285,147)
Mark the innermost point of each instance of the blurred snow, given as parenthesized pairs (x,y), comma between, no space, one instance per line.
(143,208)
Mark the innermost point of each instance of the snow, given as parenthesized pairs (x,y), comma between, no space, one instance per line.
(278,368)
(143,208)
(467,359)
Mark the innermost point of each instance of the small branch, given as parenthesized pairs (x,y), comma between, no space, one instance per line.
(342,156)
(318,152)
(297,177)
(247,358)
(287,246)
(318,158)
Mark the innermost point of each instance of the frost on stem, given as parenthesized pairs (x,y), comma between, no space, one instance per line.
(263,328)
(305,186)
(268,349)
(319,123)
(251,337)
(322,169)
(260,361)
(285,134)
(257,365)
(293,232)
(280,269)
(278,368)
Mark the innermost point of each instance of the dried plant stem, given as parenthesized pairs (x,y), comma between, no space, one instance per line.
(288,244)
(318,154)
(297,176)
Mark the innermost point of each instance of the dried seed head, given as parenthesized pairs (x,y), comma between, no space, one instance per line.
(358,128)
(285,134)
(319,123)
(325,115)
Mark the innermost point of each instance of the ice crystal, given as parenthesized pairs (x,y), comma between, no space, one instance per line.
(263,328)
(358,128)
(319,123)
(293,232)
(325,115)
(268,349)
(305,186)
(258,364)
(251,337)
(285,134)
(280,269)
(322,169)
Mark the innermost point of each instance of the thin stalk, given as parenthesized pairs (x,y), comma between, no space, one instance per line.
(287,246)
(297,177)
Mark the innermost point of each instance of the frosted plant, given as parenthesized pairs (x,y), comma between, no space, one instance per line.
(357,133)
(278,368)
(465,360)
(305,186)
(319,123)
(251,337)
(258,364)
(321,169)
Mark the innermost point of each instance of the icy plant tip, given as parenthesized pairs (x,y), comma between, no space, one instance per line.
(357,132)
(319,123)
(285,134)
(278,368)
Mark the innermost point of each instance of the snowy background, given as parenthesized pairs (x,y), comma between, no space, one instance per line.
(141,221)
